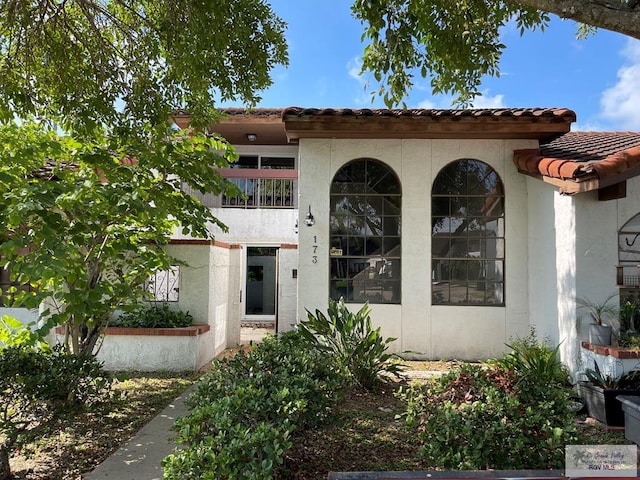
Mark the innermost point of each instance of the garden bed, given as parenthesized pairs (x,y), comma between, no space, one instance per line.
(154,349)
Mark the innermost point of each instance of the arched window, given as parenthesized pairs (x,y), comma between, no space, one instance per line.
(365,233)
(467,235)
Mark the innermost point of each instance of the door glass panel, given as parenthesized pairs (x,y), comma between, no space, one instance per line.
(261,281)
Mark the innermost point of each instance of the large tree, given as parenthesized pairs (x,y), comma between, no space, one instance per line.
(457,43)
(90,169)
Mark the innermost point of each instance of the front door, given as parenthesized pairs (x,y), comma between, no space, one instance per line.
(261,284)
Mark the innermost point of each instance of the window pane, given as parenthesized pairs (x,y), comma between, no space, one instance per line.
(246,161)
(277,163)
(369,219)
(467,235)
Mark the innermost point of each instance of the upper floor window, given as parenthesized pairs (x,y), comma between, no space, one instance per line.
(467,235)
(265,181)
(365,254)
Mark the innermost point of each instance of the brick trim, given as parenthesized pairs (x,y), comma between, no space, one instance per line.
(192,331)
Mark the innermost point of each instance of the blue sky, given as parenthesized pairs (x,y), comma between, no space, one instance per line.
(598,78)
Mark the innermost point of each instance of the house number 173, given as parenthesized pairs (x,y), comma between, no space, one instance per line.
(314,257)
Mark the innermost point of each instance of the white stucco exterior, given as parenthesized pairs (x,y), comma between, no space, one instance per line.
(422,329)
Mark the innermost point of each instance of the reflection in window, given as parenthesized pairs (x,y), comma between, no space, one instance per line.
(365,233)
(467,230)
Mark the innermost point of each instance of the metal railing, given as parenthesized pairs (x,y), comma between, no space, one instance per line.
(259,189)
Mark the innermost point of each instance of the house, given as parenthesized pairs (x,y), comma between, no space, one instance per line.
(462,228)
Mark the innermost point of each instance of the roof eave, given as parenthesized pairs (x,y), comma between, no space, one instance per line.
(424,127)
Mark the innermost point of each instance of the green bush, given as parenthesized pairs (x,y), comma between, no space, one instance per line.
(246,408)
(37,387)
(155,316)
(356,347)
(510,414)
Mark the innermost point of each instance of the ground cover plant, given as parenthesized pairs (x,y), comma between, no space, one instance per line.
(245,410)
(153,316)
(73,447)
(363,434)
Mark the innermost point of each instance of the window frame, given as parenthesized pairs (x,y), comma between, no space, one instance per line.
(470,267)
(366,260)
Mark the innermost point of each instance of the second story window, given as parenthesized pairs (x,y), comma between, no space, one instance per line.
(265,181)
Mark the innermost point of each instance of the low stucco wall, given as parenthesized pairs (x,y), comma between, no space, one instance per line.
(153,349)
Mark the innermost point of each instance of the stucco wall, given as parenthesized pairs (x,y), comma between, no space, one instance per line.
(424,330)
(288,288)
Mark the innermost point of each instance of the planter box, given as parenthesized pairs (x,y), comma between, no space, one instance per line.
(631,409)
(602,404)
(154,349)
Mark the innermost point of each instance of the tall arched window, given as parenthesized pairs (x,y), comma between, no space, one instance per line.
(365,233)
(467,235)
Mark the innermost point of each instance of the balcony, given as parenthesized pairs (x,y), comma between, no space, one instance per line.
(261,188)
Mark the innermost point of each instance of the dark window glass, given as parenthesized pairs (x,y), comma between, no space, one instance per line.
(467,235)
(365,260)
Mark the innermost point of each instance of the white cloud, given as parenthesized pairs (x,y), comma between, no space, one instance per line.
(486,101)
(621,103)
(354,70)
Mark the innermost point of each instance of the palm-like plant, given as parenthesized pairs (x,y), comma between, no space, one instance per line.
(600,312)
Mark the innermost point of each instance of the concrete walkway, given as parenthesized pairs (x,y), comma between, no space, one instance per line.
(140,458)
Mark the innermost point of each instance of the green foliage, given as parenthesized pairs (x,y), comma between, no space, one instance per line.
(455,44)
(245,409)
(629,316)
(600,312)
(154,316)
(514,413)
(535,363)
(37,387)
(84,64)
(349,339)
(99,219)
(629,380)
(13,333)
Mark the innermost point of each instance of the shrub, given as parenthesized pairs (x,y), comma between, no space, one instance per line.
(510,414)
(246,408)
(155,316)
(356,347)
(37,387)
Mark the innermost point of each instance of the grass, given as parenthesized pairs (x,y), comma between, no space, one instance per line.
(365,435)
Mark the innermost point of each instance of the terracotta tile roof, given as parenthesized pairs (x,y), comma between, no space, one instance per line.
(578,156)
(564,113)
(536,123)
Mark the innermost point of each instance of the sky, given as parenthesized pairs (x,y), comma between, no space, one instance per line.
(598,78)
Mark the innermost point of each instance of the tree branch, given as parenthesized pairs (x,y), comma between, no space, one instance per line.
(622,17)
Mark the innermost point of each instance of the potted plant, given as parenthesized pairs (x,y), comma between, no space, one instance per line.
(600,394)
(629,318)
(602,313)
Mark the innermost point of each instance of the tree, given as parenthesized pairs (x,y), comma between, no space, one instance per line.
(90,171)
(458,43)
(88,63)
(86,230)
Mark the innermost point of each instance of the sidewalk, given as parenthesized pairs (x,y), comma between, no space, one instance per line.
(140,458)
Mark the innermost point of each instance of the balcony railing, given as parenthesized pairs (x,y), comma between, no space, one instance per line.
(260,189)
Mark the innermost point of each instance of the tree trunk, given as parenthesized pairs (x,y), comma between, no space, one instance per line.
(5,468)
